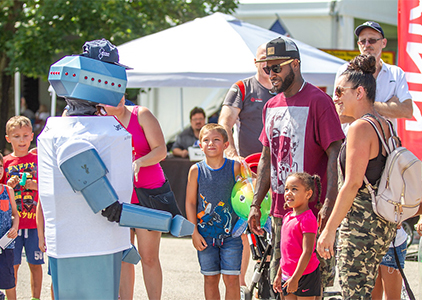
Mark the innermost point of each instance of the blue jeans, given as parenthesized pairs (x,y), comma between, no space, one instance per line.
(221,256)
(390,261)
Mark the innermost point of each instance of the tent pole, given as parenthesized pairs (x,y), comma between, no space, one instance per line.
(181,109)
(53,101)
(17,93)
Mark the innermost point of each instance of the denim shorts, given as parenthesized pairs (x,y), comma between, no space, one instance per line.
(7,273)
(389,259)
(28,238)
(221,256)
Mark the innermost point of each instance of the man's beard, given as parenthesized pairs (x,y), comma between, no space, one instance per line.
(286,83)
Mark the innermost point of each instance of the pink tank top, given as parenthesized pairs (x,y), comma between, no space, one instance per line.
(150,177)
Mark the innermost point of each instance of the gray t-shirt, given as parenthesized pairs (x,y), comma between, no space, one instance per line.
(185,139)
(250,96)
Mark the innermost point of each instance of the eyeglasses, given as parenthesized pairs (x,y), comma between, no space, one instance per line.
(339,91)
(370,41)
(197,119)
(276,68)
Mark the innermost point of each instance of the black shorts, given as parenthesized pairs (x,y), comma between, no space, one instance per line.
(309,285)
(7,273)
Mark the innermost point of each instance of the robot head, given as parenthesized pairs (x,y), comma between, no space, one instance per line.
(94,76)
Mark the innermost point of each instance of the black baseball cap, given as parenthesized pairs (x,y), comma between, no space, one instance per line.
(102,50)
(281,48)
(369,24)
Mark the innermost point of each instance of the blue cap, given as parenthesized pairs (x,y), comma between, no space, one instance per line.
(369,24)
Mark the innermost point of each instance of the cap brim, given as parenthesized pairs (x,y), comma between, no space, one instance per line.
(276,58)
(124,66)
(114,63)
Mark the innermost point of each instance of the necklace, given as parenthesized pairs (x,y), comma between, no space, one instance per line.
(303,84)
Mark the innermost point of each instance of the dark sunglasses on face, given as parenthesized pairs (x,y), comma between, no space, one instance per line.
(339,91)
(276,68)
(370,41)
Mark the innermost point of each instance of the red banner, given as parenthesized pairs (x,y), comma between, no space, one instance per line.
(409,32)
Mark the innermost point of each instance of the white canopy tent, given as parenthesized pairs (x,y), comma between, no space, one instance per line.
(205,57)
(214,51)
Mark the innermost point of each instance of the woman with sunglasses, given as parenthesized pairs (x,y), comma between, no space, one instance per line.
(364,238)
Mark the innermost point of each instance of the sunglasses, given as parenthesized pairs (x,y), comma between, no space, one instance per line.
(276,68)
(370,41)
(339,91)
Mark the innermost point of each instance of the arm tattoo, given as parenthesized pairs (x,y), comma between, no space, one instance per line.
(332,175)
(264,176)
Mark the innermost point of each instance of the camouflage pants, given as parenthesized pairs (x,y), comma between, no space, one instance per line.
(363,241)
(275,241)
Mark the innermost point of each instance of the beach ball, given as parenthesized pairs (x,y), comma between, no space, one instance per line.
(241,199)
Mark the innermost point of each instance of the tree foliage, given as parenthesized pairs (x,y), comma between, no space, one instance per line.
(35,33)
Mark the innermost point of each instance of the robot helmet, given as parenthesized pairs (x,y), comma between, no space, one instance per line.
(94,76)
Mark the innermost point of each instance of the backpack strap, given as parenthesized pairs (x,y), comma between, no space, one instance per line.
(242,88)
(379,122)
(394,141)
(383,141)
(368,185)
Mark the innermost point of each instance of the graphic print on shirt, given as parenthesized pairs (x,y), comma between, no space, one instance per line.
(285,128)
(5,214)
(25,199)
(214,222)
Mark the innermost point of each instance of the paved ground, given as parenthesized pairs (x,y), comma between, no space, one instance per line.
(182,279)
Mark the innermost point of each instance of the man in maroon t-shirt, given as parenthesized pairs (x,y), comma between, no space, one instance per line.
(301,133)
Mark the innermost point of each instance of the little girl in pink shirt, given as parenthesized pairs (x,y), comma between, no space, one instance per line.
(298,276)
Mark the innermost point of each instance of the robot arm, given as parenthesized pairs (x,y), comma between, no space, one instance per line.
(85,171)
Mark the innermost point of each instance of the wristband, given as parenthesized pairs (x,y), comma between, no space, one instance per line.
(256,205)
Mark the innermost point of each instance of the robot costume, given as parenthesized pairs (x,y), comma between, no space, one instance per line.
(85,167)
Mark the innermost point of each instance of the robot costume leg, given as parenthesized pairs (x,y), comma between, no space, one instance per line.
(87,277)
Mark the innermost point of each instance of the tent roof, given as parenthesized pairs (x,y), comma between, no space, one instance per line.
(214,51)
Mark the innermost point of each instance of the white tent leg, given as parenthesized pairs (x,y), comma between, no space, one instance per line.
(53,101)
(17,94)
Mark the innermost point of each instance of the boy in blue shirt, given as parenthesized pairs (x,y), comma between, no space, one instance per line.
(208,205)
(9,222)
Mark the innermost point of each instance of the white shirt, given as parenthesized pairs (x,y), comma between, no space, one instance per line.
(71,227)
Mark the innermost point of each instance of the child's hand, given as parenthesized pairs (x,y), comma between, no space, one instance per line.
(41,244)
(198,241)
(31,184)
(13,181)
(13,233)
(291,285)
(277,284)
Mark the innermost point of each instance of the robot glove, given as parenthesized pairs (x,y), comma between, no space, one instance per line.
(113,212)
